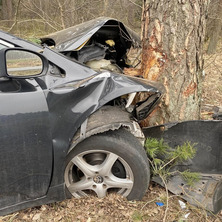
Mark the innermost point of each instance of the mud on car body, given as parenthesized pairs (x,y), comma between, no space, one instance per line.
(66,129)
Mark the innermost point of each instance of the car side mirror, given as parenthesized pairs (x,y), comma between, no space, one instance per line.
(23,63)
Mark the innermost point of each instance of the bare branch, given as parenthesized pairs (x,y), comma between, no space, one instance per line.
(39,15)
(45,16)
(16,16)
(61,14)
(135,4)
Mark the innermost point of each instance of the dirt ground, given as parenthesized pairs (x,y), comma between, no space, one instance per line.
(116,208)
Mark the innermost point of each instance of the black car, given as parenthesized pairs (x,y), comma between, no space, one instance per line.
(66,129)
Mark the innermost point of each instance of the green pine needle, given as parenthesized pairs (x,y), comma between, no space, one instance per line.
(162,158)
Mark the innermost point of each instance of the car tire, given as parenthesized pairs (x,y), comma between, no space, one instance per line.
(103,163)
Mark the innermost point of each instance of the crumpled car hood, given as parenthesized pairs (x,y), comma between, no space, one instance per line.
(101,44)
(74,37)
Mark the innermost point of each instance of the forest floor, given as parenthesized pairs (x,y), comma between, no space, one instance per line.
(116,208)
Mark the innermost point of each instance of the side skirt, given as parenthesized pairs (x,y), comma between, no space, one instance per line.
(56,193)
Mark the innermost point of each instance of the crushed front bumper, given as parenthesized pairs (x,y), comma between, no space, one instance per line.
(207,192)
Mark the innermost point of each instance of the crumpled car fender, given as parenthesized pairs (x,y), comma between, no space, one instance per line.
(71,104)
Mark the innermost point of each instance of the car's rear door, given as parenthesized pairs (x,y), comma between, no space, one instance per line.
(25,142)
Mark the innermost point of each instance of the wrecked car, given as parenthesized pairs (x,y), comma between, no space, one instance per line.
(106,44)
(66,129)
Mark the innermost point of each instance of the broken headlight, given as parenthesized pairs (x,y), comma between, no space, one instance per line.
(143,109)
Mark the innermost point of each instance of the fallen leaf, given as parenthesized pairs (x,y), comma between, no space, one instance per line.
(88,220)
(36,216)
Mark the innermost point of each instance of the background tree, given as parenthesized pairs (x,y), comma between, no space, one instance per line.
(173,36)
(7,11)
(214,25)
(40,17)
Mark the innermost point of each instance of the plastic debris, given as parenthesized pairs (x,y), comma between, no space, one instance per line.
(186,215)
(183,207)
(182,204)
(160,204)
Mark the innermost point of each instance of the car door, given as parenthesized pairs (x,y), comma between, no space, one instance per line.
(25,141)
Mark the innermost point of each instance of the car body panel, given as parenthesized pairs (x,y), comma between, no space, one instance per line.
(26,147)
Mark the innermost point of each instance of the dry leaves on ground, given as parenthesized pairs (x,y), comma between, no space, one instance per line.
(114,208)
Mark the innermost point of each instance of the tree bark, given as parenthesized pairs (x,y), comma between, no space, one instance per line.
(173,35)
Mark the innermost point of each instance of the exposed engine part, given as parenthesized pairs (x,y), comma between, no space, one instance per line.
(133,57)
(110,42)
(103,64)
(143,109)
(129,102)
(91,52)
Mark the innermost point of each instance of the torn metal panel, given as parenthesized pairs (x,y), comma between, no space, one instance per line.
(104,89)
(207,135)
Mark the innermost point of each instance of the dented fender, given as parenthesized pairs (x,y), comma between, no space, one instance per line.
(72,103)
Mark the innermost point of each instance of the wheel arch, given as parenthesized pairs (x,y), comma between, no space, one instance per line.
(105,119)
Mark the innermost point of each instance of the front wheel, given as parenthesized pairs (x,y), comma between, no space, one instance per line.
(114,161)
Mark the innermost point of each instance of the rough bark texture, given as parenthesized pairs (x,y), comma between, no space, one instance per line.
(173,34)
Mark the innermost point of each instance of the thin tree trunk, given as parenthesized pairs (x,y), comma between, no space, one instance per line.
(7,11)
(217,25)
(61,12)
(173,34)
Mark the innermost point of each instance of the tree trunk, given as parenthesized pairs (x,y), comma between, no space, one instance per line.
(7,11)
(217,25)
(173,34)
